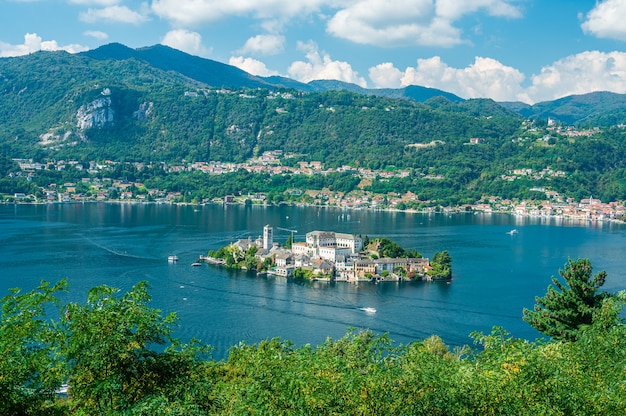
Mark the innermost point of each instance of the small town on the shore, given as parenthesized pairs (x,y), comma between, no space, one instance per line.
(324,255)
(94,186)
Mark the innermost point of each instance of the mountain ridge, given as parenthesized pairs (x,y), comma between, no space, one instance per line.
(122,104)
(218,74)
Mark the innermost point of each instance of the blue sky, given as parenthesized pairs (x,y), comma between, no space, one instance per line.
(508,50)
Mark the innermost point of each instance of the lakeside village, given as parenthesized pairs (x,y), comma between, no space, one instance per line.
(93,185)
(327,255)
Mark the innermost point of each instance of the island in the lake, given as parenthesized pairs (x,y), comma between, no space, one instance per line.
(327,255)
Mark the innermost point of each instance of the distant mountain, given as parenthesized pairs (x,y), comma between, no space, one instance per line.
(597,108)
(158,104)
(412,92)
(288,83)
(207,71)
(516,106)
(217,74)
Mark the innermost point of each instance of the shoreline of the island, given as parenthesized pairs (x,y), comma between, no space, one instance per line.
(332,256)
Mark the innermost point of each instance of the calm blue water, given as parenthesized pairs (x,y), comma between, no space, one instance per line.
(496,275)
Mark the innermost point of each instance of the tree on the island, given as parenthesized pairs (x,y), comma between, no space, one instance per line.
(250,260)
(441,266)
(399,270)
(391,249)
(568,306)
(289,241)
(302,274)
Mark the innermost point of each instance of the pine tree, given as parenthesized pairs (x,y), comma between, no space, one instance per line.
(568,306)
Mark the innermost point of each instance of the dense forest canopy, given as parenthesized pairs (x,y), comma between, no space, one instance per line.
(57,106)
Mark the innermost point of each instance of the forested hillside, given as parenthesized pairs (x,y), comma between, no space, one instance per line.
(164,116)
(121,104)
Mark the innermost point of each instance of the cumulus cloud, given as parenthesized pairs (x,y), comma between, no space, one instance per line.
(320,66)
(252,66)
(606,20)
(377,22)
(193,12)
(96,34)
(386,23)
(486,77)
(455,9)
(391,23)
(100,3)
(264,45)
(33,43)
(186,41)
(118,14)
(579,74)
(386,75)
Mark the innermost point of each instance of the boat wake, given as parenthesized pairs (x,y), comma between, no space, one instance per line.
(115,251)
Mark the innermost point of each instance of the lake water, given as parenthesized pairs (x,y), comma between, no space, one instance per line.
(496,274)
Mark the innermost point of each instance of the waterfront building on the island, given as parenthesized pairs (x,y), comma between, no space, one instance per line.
(328,245)
(284,263)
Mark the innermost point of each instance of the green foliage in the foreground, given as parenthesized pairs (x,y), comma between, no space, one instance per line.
(119,358)
(568,306)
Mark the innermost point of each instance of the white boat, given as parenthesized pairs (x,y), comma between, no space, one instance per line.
(368,310)
(172,259)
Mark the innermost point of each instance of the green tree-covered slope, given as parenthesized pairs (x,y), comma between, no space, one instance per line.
(132,105)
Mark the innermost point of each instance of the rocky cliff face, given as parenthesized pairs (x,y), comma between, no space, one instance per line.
(144,111)
(97,113)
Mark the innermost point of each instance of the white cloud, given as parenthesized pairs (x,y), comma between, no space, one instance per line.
(378,22)
(486,77)
(193,12)
(95,2)
(321,66)
(386,75)
(33,43)
(386,23)
(96,34)
(251,66)
(186,41)
(264,45)
(579,74)
(118,14)
(455,9)
(393,23)
(606,20)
